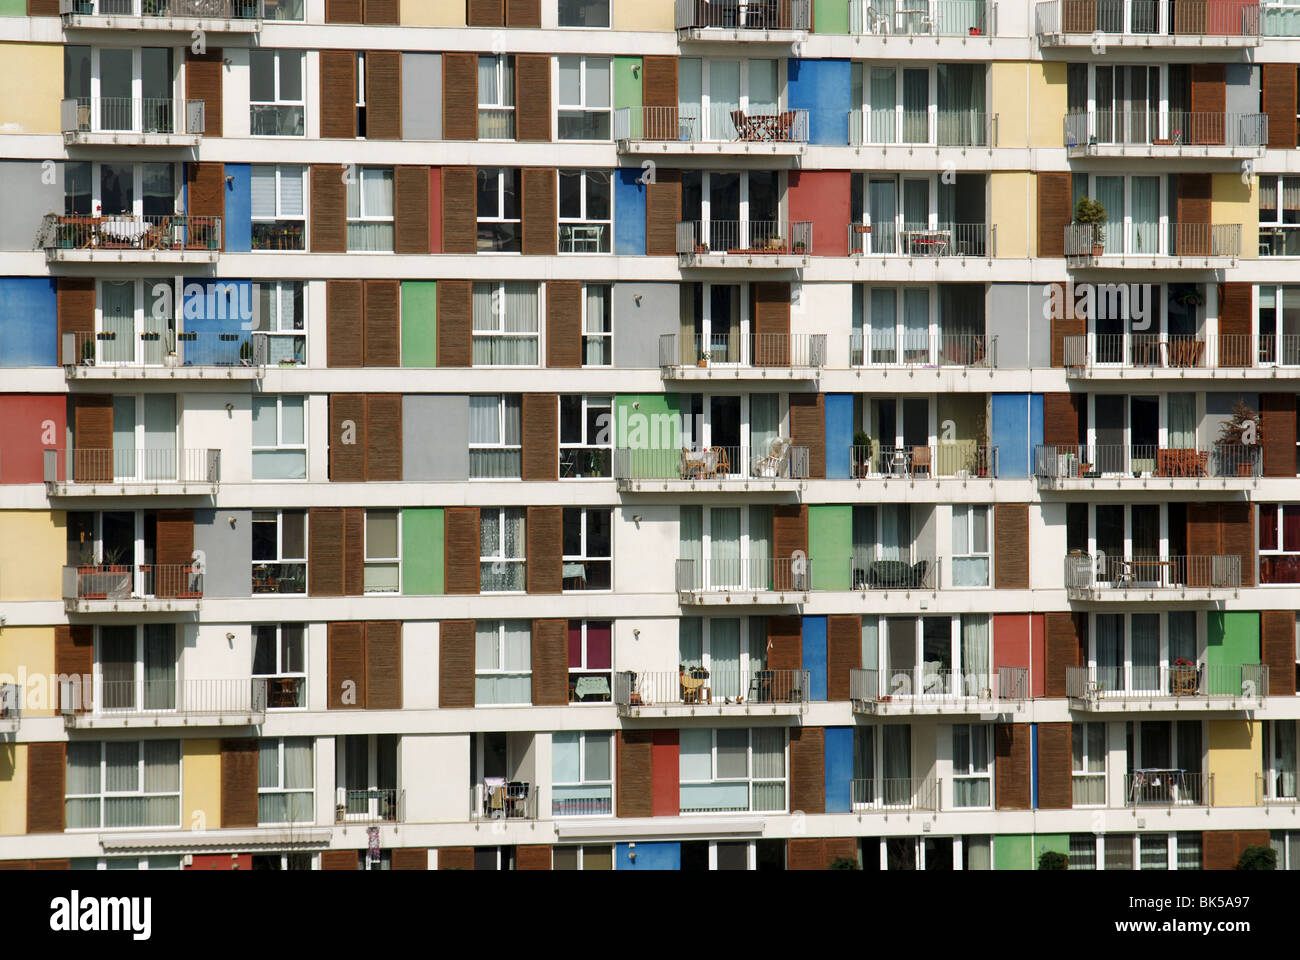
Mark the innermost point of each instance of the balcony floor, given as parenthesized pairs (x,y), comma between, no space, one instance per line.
(182,372)
(731,485)
(735,372)
(129,255)
(741,598)
(76,21)
(1133,261)
(162,719)
(128,139)
(132,605)
(704,711)
(1152,594)
(712,148)
(1118,372)
(1154,484)
(951,706)
(1157,703)
(1148,41)
(154,488)
(745,261)
(746,36)
(1166,151)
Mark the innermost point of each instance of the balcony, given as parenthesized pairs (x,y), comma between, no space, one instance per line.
(958,460)
(118,588)
(500,799)
(1143,467)
(923,18)
(1153,246)
(909,129)
(696,692)
(164,355)
(744,21)
(169,703)
(1195,686)
(921,690)
(132,472)
(1148,23)
(912,350)
(754,356)
(921,241)
(1168,788)
(11,707)
(716,132)
(752,580)
(781,467)
(1128,579)
(889,794)
(125,238)
(744,243)
(869,573)
(128,122)
(1177,357)
(212,16)
(381,805)
(1131,134)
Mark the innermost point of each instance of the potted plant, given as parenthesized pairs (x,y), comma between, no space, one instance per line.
(861,453)
(1090,212)
(88,353)
(703,359)
(799,246)
(246,352)
(1233,435)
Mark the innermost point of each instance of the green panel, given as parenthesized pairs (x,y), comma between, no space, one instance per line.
(1060,842)
(422,560)
(13,8)
(627,85)
(830,545)
(830,16)
(419,323)
(1013,852)
(650,421)
(1232,638)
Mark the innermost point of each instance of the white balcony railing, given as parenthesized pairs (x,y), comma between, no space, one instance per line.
(759,351)
(1087,575)
(749,574)
(1163,239)
(148,115)
(245,10)
(781,461)
(164,348)
(127,235)
(886,349)
(959,460)
(1172,131)
(1095,354)
(746,16)
(499,799)
(918,686)
(111,581)
(1150,20)
(165,466)
(379,805)
(1176,681)
(167,701)
(915,240)
(936,128)
(716,124)
(895,793)
(719,687)
(926,18)
(1141,461)
(745,238)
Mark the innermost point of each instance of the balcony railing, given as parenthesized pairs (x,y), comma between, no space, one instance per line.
(161,699)
(744,238)
(147,115)
(166,466)
(1140,240)
(1168,788)
(870,573)
(744,15)
(923,350)
(1173,131)
(893,239)
(780,461)
(380,805)
(960,460)
(918,686)
(11,703)
(592,801)
(164,348)
(910,128)
(287,577)
(1166,681)
(717,124)
(1055,463)
(1151,351)
(1086,575)
(504,800)
(125,232)
(736,352)
(895,793)
(1148,19)
(166,9)
(109,581)
(720,687)
(926,18)
(745,575)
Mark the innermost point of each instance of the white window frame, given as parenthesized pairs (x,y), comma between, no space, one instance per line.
(499,216)
(280,214)
(282,445)
(276,327)
(104,794)
(578,26)
(281,789)
(499,332)
(967,514)
(369,562)
(281,559)
(974,770)
(301,103)
(586,403)
(142,320)
(1278,551)
(1271,773)
(896,110)
(300,676)
(606,337)
(500,670)
(139,697)
(500,443)
(500,557)
(605,240)
(355,180)
(506,92)
(749,779)
(584,670)
(583,781)
(583,89)
(581,848)
(1082,760)
(585,556)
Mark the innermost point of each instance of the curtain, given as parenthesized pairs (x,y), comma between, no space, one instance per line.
(870,642)
(503,662)
(724,658)
(596,350)
(1110,651)
(691,547)
(159,437)
(768,748)
(764,89)
(1182,636)
(884,315)
(882,205)
(117,668)
(491,425)
(83,778)
(264,192)
(916,106)
(566,757)
(724,547)
(1145,640)
(1182,420)
(977,849)
(864,539)
(724,97)
(916,322)
(501,537)
(1110,194)
(1088,762)
(159,666)
(760,563)
(960,103)
(1284,760)
(690,642)
(895,532)
(370,195)
(975,651)
(883,104)
(291,192)
(511,309)
(896,747)
(1146,214)
(757,643)
(764,423)
(689,98)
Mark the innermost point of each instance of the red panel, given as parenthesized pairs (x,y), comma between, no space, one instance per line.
(665,775)
(822,196)
(435,209)
(30,424)
(1037,655)
(221,861)
(1011,646)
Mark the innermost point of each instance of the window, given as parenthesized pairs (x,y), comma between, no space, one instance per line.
(506,323)
(1279,543)
(281,316)
(586,438)
(501,561)
(732,770)
(496,97)
(280,658)
(359,75)
(136,324)
(729,656)
(1279,746)
(284,780)
(1286,843)
(586,857)
(498,210)
(590,660)
(169,862)
(279,551)
(503,662)
(1279,216)
(1153,851)
(112,189)
(970,545)
(137,668)
(584,13)
(582,777)
(123,783)
(366,778)
(587,551)
(586,223)
(1089,763)
(972,762)
(279,215)
(1279,328)
(1188,851)
(119,89)
(976,853)
(494,437)
(279,437)
(1083,852)
(283,10)
(584,98)
(597,325)
(370,209)
(383,564)
(275,95)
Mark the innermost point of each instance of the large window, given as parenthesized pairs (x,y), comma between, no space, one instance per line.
(728,654)
(584,13)
(1279,216)
(279,551)
(506,323)
(279,437)
(114,189)
(732,770)
(590,660)
(588,554)
(586,857)
(370,209)
(123,783)
(284,780)
(498,210)
(586,217)
(582,774)
(383,558)
(586,435)
(275,96)
(503,662)
(495,445)
(597,325)
(280,658)
(584,98)
(496,97)
(972,765)
(1279,543)
(502,558)
(1127,851)
(137,668)
(1286,843)
(1088,764)
(970,545)
(281,316)
(1280,760)
(279,214)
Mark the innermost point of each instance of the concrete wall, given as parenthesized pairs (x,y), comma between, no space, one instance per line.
(1011,318)
(27,197)
(421,96)
(31,88)
(655,539)
(435,437)
(227,551)
(206,423)
(36,571)
(637,327)
(419,665)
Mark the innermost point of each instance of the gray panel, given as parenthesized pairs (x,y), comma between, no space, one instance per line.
(227,551)
(435,437)
(1008,317)
(1242,95)
(421,96)
(923,527)
(637,326)
(25,201)
(1218,411)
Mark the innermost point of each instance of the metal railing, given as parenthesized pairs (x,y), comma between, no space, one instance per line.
(869,573)
(380,805)
(1153,240)
(920,685)
(743,350)
(758,15)
(751,237)
(895,793)
(11,701)
(717,124)
(142,115)
(599,804)
(695,686)
(1086,574)
(781,461)
(513,800)
(585,462)
(163,465)
(1173,129)
(1172,681)
(1146,460)
(197,9)
(938,128)
(181,698)
(1181,351)
(923,350)
(1168,788)
(120,232)
(283,577)
(110,581)
(959,459)
(893,239)
(1147,18)
(933,18)
(749,574)
(165,348)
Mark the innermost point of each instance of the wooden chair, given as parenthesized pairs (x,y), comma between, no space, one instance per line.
(920,461)
(721,462)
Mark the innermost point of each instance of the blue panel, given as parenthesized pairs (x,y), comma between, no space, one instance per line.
(839,769)
(1035,423)
(1033,766)
(217,306)
(822,88)
(839,434)
(629,213)
(29,322)
(238,224)
(814,656)
(649,856)
(1011,433)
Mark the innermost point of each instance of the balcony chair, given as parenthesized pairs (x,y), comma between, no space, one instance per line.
(773,465)
(921,461)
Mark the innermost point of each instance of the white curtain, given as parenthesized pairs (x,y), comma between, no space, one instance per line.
(764,89)
(1284,759)
(916,325)
(159,666)
(597,350)
(975,651)
(1145,639)
(768,748)
(501,536)
(724,657)
(500,312)
(870,642)
(83,778)
(883,104)
(1182,420)
(690,543)
(370,194)
(977,849)
(884,316)
(690,642)
(764,423)
(503,662)
(724,546)
(117,321)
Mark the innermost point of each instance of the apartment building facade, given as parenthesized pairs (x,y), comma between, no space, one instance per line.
(686,434)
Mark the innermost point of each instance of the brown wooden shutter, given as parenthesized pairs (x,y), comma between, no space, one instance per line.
(1061,640)
(410,858)
(346,666)
(206,183)
(325,552)
(1061,415)
(238,783)
(76,309)
(455,323)
(485,13)
(785,643)
(1277,423)
(384,437)
(46,777)
(540,416)
(411,209)
(1237,536)
(805,853)
(456,663)
(1054,213)
(1277,650)
(459,215)
(383,669)
(533,98)
(1279,102)
(344,332)
(338,96)
(789,531)
(808,769)
(51,865)
(1011,766)
(533,856)
(1209,96)
(564,323)
(74,657)
(1055,767)
(1194,193)
(1235,318)
(347,422)
(42,8)
(843,653)
(544,533)
(381,12)
(771,324)
(354,540)
(174,546)
(329,206)
(343,11)
(633,752)
(461,549)
(455,858)
(550,662)
(1217,850)
(381,327)
(539,226)
(204,73)
(1063,326)
(808,429)
(1011,546)
(524,13)
(663,211)
(460,100)
(92,430)
(383,95)
(339,859)
(659,91)
(1204,539)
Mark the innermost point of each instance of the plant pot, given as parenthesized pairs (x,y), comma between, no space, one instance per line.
(1245,469)
(976,32)
(862,228)
(1098,249)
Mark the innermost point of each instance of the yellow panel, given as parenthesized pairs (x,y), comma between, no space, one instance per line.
(13,788)
(31,86)
(1235,761)
(1013,203)
(201,787)
(1233,201)
(1046,104)
(433,13)
(27,658)
(36,571)
(1008,81)
(642,15)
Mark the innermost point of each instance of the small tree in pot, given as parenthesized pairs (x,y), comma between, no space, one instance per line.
(1089,211)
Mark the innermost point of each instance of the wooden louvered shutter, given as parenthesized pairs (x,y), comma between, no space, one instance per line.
(772,324)
(383,668)
(564,323)
(843,653)
(354,540)
(1192,238)
(1011,546)
(1279,101)
(1054,213)
(789,532)
(460,100)
(659,95)
(411,209)
(538,221)
(325,552)
(1062,326)
(384,436)
(51,865)
(533,856)
(524,13)
(1237,536)
(347,440)
(338,96)
(342,11)
(339,860)
(808,769)
(381,13)
(382,329)
(1055,767)
(455,323)
(203,79)
(461,549)
(46,778)
(383,95)
(459,213)
(485,13)
(1277,650)
(456,663)
(346,666)
(92,435)
(805,853)
(1061,416)
(633,754)
(544,533)
(1235,320)
(785,643)
(1011,766)
(540,416)
(1218,850)
(808,429)
(455,858)
(74,659)
(329,207)
(42,8)
(206,183)
(1060,651)
(1203,540)
(550,662)
(533,98)
(344,329)
(1277,423)
(410,858)
(238,783)
(76,309)
(663,211)
(1209,99)
(174,552)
